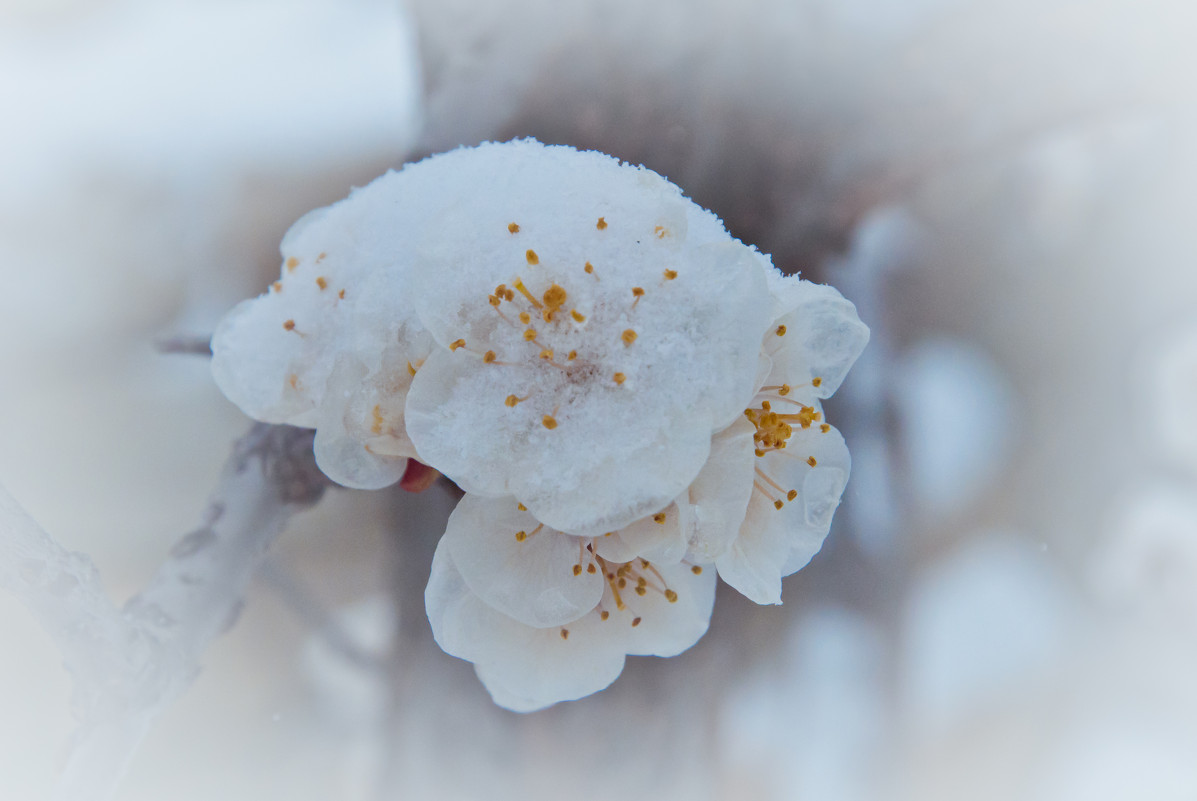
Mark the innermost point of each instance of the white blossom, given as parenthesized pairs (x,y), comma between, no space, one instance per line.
(799,462)
(331,344)
(543,615)
(629,397)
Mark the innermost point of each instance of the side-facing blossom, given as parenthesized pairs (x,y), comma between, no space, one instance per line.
(801,462)
(546,616)
(333,344)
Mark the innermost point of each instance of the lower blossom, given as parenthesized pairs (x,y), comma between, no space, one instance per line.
(545,616)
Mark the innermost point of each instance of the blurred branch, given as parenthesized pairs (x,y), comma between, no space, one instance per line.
(129,664)
(195,346)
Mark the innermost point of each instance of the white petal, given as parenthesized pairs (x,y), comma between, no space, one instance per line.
(823,337)
(534,580)
(718,499)
(664,628)
(659,542)
(599,470)
(777,542)
(344,458)
(524,668)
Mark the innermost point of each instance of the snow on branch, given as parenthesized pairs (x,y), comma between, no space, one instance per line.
(129,664)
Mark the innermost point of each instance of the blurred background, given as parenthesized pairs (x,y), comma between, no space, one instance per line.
(1007,605)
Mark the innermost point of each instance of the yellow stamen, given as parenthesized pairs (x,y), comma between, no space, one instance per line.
(601,224)
(810,460)
(816,382)
(292,263)
(458,343)
(578,316)
(573,354)
(530,334)
(523,290)
(549,422)
(513,228)
(670,275)
(696,570)
(659,518)
(628,336)
(488,357)
(781,330)
(321,282)
(289,325)
(410,370)
(620,378)
(532,257)
(521,507)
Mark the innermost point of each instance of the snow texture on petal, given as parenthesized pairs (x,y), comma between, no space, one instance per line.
(823,335)
(523,667)
(341,298)
(772,542)
(601,330)
(533,577)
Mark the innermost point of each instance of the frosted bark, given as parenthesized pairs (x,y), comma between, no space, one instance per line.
(130,663)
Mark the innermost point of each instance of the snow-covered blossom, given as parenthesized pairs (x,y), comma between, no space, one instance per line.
(596,328)
(331,345)
(630,398)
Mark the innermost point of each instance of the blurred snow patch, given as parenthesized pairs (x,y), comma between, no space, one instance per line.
(804,728)
(980,624)
(143,142)
(958,418)
(344,665)
(1149,561)
(1175,380)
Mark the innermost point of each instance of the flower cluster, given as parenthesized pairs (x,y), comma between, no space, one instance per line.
(629,397)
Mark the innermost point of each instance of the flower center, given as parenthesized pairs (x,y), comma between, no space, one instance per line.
(542,325)
(773,432)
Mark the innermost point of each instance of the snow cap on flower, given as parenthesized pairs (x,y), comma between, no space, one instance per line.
(543,616)
(595,329)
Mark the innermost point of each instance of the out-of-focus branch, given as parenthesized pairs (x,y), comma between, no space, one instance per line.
(195,346)
(129,664)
